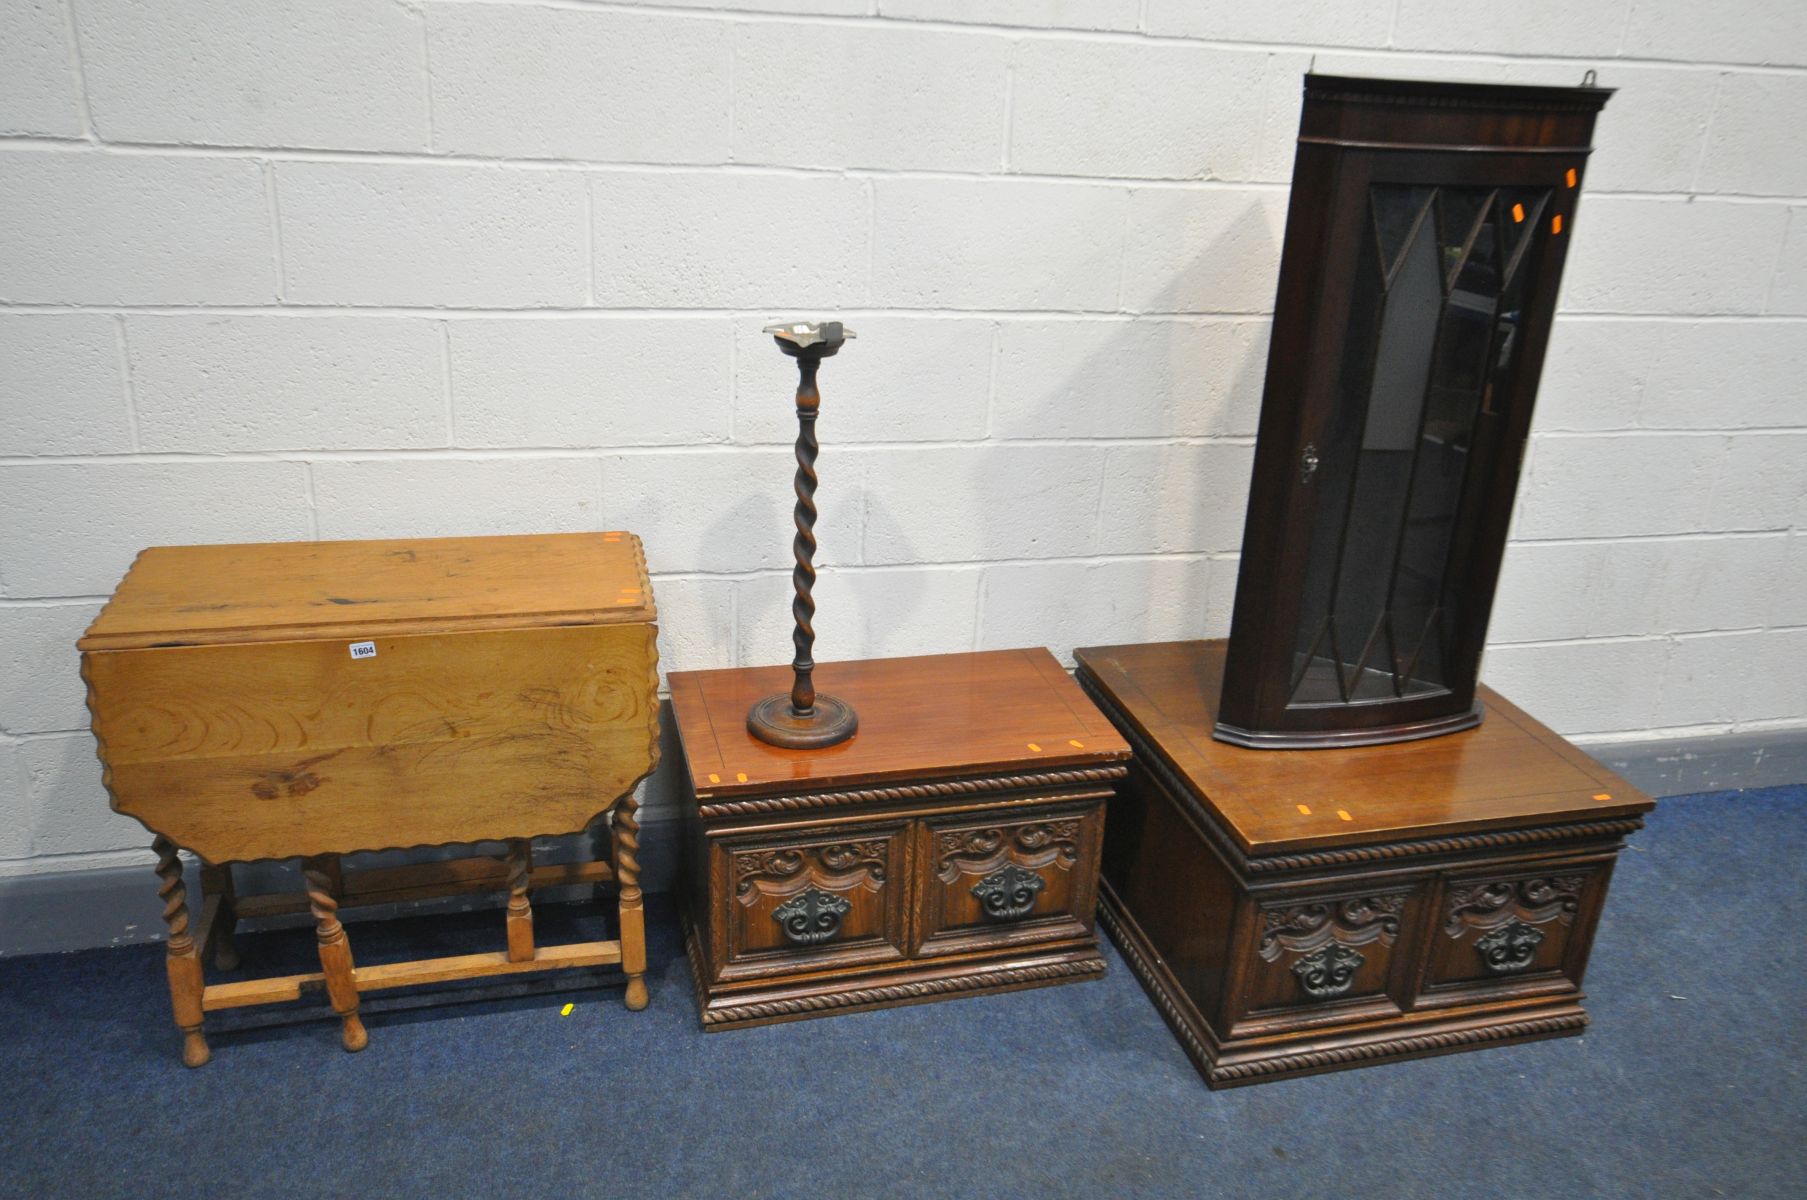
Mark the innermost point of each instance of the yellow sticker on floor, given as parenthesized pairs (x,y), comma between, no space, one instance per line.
(566,1010)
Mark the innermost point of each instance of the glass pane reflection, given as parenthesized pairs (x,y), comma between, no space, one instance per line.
(1433,325)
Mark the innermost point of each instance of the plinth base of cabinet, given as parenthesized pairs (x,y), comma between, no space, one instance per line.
(768,1003)
(1236,1063)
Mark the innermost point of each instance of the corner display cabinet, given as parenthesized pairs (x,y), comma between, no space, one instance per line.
(1424,245)
(1303,878)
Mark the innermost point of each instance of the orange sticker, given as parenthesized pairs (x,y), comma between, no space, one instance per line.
(1518,212)
(1604,796)
(1556,223)
(1076,744)
(1571,176)
(1035,747)
(1343,815)
(1305,810)
(741,778)
(715,779)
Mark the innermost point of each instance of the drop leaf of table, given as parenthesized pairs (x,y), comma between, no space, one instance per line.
(312,699)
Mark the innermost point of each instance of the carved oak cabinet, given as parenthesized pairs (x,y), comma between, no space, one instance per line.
(951,847)
(1297,911)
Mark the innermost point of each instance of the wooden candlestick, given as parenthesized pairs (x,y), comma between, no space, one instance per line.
(802,719)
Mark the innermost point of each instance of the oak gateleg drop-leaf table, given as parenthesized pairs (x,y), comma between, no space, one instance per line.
(313,699)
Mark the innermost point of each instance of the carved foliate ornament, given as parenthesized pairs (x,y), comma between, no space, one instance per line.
(843,862)
(1033,845)
(1488,904)
(1354,921)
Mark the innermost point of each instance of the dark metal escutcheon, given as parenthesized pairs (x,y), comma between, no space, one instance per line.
(811,918)
(1329,972)
(1510,948)
(1008,894)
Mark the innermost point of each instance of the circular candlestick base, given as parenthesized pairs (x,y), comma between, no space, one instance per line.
(774,722)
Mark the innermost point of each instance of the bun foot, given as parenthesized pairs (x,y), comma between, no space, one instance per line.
(353,1035)
(194,1049)
(225,956)
(637,996)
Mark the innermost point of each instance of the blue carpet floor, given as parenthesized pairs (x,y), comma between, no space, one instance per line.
(1689,1083)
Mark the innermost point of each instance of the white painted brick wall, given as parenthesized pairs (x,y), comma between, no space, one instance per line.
(62,390)
(37,86)
(516,82)
(331,74)
(430,236)
(281,269)
(87,226)
(714,239)
(219,384)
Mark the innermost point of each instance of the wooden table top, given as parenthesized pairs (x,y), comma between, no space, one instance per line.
(1512,770)
(937,716)
(213,595)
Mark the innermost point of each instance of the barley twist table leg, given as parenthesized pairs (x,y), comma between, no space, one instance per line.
(520,910)
(183,960)
(335,953)
(633,916)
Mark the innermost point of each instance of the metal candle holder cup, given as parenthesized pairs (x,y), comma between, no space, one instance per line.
(803,719)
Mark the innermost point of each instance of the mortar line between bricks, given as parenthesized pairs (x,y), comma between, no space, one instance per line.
(426,76)
(1009,105)
(313,503)
(445,381)
(1691,535)
(50,601)
(1124,37)
(782,570)
(502,453)
(125,382)
(1679,635)
(78,72)
(275,213)
(718,448)
(589,241)
(624,313)
(991,380)
(1775,270)
(1227,316)
(59,145)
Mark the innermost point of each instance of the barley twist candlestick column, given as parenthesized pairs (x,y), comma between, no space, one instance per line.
(803,719)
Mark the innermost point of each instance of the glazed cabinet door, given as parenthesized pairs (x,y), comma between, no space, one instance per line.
(986,880)
(1418,283)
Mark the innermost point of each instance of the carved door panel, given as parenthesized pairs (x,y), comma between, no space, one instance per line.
(832,894)
(1500,929)
(1311,952)
(998,879)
